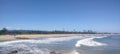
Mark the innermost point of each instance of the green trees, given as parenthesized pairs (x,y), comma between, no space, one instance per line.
(3,31)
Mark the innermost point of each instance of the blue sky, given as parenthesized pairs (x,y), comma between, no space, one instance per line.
(97,15)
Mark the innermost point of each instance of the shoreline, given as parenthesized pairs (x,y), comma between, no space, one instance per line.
(30,36)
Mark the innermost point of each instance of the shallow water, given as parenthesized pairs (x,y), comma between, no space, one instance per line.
(63,45)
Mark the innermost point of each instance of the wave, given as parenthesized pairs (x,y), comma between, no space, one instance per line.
(89,42)
(99,45)
(100,41)
(43,41)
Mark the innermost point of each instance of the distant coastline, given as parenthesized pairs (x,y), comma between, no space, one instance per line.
(6,35)
(5,31)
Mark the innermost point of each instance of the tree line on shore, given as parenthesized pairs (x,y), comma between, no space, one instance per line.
(5,31)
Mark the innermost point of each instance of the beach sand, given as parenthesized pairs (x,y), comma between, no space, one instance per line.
(29,36)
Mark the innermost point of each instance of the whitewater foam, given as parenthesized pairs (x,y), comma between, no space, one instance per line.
(89,42)
(43,41)
(23,49)
(99,45)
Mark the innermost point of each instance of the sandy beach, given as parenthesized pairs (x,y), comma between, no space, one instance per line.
(29,36)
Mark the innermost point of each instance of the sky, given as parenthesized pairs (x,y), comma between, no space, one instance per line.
(96,15)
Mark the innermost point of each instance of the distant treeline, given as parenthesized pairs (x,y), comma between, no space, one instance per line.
(5,31)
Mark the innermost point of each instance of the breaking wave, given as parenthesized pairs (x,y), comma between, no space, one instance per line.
(89,42)
(99,45)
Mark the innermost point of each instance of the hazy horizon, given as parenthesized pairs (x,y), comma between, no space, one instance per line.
(100,15)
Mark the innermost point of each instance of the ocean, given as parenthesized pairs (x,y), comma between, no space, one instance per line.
(104,44)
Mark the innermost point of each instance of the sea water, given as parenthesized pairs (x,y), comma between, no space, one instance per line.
(107,44)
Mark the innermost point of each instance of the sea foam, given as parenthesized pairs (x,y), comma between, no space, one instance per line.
(43,41)
(99,45)
(89,42)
